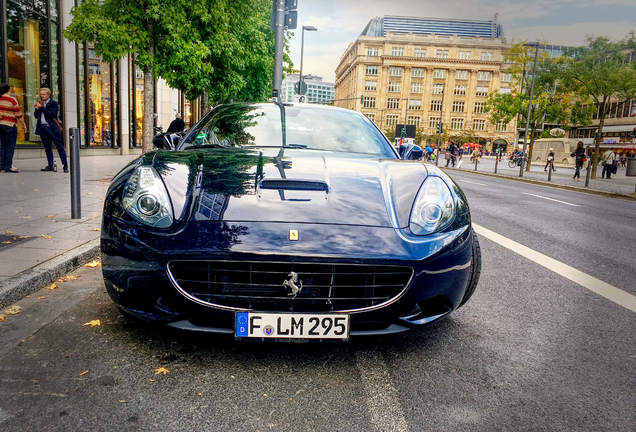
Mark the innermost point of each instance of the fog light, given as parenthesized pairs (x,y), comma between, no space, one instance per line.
(148,204)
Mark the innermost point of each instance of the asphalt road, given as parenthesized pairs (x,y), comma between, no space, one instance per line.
(532,350)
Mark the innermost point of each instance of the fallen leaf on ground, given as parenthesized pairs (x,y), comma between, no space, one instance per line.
(123,401)
(13,310)
(90,193)
(36,190)
(95,229)
(44,236)
(93,323)
(53,220)
(8,232)
(199,394)
(42,297)
(52,286)
(161,370)
(2,317)
(15,238)
(151,380)
(67,278)
(26,217)
(50,216)
(84,373)
(24,237)
(93,264)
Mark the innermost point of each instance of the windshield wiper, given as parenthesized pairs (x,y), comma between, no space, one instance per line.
(202,146)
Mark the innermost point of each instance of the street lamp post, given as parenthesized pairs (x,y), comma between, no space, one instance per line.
(302,49)
(441,125)
(525,132)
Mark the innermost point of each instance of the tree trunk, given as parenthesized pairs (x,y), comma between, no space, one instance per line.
(598,138)
(533,130)
(205,103)
(149,108)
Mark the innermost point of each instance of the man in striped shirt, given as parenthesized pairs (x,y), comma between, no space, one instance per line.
(10,114)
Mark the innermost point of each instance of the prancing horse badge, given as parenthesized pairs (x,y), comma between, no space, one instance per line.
(293,235)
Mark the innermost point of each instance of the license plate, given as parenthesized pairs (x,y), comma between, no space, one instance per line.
(291,325)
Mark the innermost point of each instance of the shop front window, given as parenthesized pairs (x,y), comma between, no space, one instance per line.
(100,101)
(138,111)
(27,60)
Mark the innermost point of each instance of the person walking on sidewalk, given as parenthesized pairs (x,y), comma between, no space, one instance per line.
(579,157)
(50,129)
(10,115)
(177,125)
(550,161)
(609,164)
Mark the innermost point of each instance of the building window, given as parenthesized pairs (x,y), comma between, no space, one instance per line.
(483,76)
(419,53)
(457,123)
(370,85)
(373,51)
(417,72)
(479,107)
(460,90)
(413,120)
(479,124)
(461,75)
(416,87)
(458,106)
(438,89)
(436,105)
(504,90)
(464,55)
(415,104)
(506,77)
(370,116)
(101,93)
(439,73)
(394,87)
(397,51)
(481,91)
(368,102)
(393,103)
(372,70)
(395,71)
(441,53)
(501,126)
(391,119)
(433,122)
(486,56)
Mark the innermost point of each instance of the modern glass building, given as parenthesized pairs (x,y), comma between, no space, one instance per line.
(105,100)
(318,91)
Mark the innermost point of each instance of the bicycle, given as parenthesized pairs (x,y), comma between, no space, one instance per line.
(515,161)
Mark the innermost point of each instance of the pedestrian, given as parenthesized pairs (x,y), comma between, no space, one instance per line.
(579,157)
(550,161)
(608,161)
(10,115)
(177,125)
(49,129)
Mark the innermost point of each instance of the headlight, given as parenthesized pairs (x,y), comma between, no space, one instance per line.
(433,208)
(146,199)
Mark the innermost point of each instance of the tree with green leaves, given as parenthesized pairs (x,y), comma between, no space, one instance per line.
(603,72)
(551,102)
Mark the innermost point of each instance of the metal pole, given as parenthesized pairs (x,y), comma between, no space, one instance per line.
(76,202)
(525,132)
(587,174)
(302,49)
(476,160)
(440,127)
(550,172)
(496,161)
(278,47)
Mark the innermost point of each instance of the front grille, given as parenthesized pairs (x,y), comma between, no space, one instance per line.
(259,285)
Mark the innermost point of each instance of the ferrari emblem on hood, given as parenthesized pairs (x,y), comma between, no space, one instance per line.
(293,235)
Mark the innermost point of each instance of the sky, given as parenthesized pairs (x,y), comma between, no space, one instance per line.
(565,22)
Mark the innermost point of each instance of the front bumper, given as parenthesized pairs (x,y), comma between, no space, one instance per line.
(134,263)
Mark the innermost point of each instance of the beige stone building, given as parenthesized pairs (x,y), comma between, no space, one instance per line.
(406,70)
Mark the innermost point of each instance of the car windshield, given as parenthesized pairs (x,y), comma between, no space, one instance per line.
(314,128)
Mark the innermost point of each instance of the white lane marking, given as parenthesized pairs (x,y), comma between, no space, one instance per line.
(617,295)
(551,199)
(380,393)
(473,182)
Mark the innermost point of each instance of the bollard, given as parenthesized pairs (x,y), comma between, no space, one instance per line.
(76,202)
(550,172)
(496,163)
(587,175)
(476,161)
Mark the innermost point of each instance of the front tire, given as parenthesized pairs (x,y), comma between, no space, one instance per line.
(475,271)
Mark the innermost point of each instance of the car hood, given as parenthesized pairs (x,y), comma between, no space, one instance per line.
(298,186)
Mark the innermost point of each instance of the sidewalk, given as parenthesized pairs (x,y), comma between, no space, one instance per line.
(35,212)
(618,184)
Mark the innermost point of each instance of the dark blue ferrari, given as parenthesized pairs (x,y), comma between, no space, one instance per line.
(287,222)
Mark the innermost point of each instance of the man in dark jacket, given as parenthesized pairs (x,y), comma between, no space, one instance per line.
(47,128)
(176,125)
(579,157)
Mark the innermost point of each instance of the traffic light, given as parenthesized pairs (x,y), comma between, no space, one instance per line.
(291,14)
(403,132)
(440,128)
(361,99)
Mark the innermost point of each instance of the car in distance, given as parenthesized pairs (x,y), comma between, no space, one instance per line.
(276,221)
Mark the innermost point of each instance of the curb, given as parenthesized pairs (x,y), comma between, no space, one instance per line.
(34,278)
(544,183)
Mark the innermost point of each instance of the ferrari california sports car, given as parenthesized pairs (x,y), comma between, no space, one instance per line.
(276,221)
